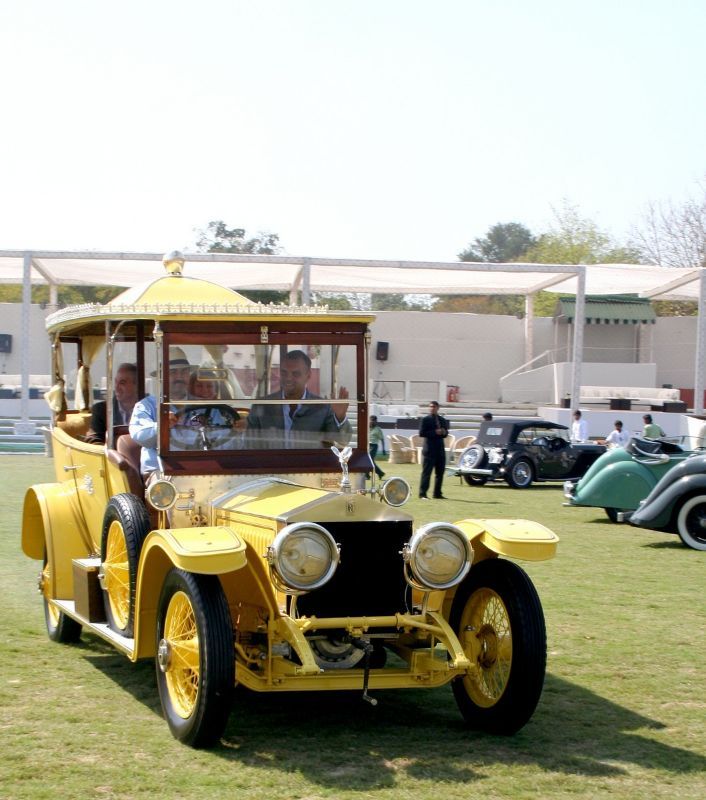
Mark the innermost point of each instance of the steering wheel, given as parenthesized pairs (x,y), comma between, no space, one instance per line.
(207,427)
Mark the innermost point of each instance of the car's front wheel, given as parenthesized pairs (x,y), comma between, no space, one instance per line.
(691,522)
(520,475)
(195,657)
(498,618)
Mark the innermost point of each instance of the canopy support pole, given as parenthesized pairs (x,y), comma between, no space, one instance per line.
(579,322)
(24,426)
(700,346)
(529,327)
(306,283)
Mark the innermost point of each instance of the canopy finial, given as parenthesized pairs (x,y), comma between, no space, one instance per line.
(174,262)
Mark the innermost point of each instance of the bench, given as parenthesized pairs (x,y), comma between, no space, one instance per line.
(622,397)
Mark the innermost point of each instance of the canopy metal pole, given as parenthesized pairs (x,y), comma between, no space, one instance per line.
(306,283)
(529,327)
(700,346)
(24,425)
(579,322)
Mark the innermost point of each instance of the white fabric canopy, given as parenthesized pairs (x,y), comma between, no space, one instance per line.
(344,275)
(243,272)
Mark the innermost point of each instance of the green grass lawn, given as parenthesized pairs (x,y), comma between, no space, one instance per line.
(623,714)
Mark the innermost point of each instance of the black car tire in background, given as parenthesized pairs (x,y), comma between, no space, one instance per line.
(475,480)
(521,474)
(691,522)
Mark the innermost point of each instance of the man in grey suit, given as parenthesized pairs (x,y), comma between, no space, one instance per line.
(297,424)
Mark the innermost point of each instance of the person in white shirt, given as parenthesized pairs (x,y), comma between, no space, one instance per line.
(579,428)
(617,437)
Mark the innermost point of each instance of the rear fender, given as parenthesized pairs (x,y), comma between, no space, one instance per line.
(656,511)
(619,485)
(203,550)
(50,520)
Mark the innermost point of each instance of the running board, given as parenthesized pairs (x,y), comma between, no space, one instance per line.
(122,643)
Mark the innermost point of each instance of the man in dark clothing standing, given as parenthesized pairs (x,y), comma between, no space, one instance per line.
(433,430)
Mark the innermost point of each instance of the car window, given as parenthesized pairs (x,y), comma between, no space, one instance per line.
(282,396)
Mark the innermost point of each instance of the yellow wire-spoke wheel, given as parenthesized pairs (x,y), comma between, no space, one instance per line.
(195,657)
(52,611)
(487,641)
(60,628)
(125,526)
(498,619)
(116,574)
(182,639)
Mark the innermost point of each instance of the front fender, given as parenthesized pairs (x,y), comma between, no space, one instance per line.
(656,511)
(513,538)
(205,550)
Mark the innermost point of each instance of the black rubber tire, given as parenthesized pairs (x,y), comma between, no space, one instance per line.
(475,480)
(521,474)
(60,628)
(691,522)
(612,514)
(204,726)
(129,512)
(501,583)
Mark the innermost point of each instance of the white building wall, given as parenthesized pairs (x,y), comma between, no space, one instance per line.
(39,353)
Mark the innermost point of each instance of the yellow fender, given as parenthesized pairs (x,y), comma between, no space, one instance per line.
(513,538)
(205,550)
(50,520)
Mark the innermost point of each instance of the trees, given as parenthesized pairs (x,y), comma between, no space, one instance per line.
(218,238)
(505,242)
(674,236)
(573,239)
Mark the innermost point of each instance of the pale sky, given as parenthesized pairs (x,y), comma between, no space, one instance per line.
(359,129)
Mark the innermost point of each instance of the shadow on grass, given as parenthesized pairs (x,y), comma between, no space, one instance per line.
(337,741)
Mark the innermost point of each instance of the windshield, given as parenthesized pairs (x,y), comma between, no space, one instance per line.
(231,396)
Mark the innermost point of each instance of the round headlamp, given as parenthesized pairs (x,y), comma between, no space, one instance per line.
(395,491)
(303,556)
(161,495)
(438,555)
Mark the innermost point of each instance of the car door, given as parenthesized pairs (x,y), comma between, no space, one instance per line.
(88,468)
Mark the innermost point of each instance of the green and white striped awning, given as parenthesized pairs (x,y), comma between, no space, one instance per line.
(609,309)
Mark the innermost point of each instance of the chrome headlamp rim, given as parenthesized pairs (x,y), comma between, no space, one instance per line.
(275,553)
(411,551)
(387,488)
(161,486)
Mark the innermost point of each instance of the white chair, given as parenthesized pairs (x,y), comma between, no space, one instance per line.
(401,451)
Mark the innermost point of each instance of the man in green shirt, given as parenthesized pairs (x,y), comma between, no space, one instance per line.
(651,430)
(376,441)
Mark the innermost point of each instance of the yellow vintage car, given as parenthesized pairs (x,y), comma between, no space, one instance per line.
(232,534)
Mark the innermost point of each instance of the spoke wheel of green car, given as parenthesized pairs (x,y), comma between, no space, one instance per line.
(498,618)
(125,526)
(691,522)
(60,628)
(195,657)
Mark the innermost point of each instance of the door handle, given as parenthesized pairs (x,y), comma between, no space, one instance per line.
(72,468)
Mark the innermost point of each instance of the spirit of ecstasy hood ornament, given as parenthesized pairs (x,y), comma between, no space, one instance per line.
(343,456)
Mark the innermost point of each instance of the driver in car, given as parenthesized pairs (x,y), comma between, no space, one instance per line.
(294,423)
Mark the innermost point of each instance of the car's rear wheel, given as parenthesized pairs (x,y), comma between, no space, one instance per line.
(475,480)
(691,522)
(125,526)
(612,513)
(195,657)
(521,474)
(60,628)
(498,618)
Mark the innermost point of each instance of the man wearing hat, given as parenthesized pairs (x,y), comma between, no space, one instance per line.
(143,423)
